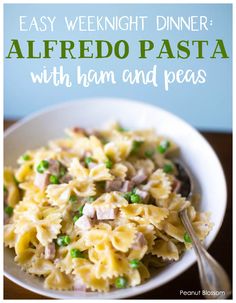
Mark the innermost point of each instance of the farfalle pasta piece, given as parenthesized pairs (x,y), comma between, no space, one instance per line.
(146,134)
(26,211)
(118,149)
(75,133)
(131,171)
(63,144)
(24,251)
(166,250)
(58,280)
(149,233)
(124,148)
(41,267)
(77,170)
(113,200)
(145,164)
(173,226)
(9,235)
(145,214)
(87,275)
(13,195)
(122,237)
(45,221)
(202,224)
(133,277)
(144,273)
(154,214)
(81,146)
(119,170)
(46,232)
(174,202)
(154,261)
(138,253)
(83,188)
(97,235)
(65,261)
(112,151)
(100,173)
(159,185)
(59,194)
(24,172)
(98,152)
(110,263)
(32,192)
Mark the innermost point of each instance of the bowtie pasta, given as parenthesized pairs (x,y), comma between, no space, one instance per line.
(97,209)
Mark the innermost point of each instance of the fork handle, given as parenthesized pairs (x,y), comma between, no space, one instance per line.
(215,282)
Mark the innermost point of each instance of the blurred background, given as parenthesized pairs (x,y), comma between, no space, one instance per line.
(207,107)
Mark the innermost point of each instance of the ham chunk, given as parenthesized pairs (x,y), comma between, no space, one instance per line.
(50,251)
(89,210)
(41,180)
(106,213)
(140,177)
(92,165)
(54,167)
(66,178)
(79,285)
(114,185)
(6,194)
(143,194)
(84,223)
(139,241)
(127,186)
(79,130)
(176,185)
(6,218)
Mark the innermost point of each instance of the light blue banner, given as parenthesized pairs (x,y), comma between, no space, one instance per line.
(206,106)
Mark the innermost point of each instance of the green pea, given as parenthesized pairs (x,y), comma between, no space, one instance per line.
(8,210)
(187,238)
(101,185)
(163,146)
(15,180)
(121,129)
(73,198)
(88,160)
(80,210)
(108,164)
(25,157)
(54,179)
(135,146)
(63,240)
(43,165)
(76,217)
(134,198)
(134,263)
(62,171)
(120,282)
(76,253)
(91,199)
(149,153)
(168,168)
(127,196)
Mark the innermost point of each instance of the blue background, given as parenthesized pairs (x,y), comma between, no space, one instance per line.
(207,107)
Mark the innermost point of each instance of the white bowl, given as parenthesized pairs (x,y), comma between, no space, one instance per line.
(36,130)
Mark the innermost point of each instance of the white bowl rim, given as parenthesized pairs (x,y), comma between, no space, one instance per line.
(109,100)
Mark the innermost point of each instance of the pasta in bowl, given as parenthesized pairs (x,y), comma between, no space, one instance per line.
(96,210)
(27,137)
